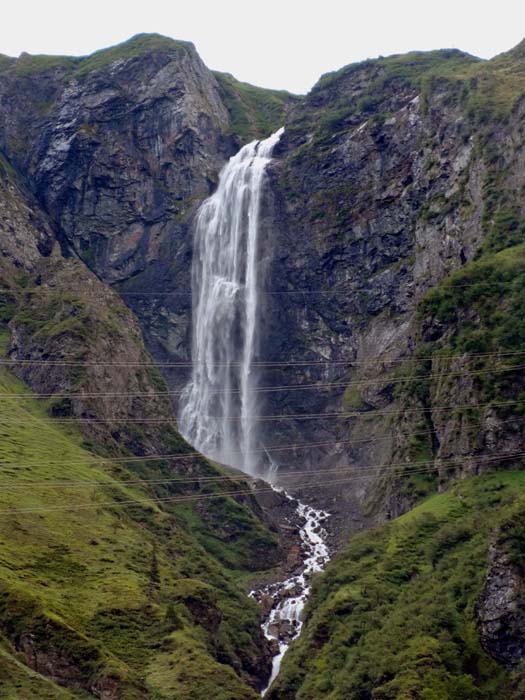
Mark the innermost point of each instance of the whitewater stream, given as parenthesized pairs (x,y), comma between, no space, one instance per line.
(284,621)
(219,408)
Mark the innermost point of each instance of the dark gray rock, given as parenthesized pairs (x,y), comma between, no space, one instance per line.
(501,610)
(376,193)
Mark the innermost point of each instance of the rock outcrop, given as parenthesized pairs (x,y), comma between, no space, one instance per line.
(501,610)
(120,148)
(391,245)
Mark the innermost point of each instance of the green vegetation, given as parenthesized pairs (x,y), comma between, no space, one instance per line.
(488,90)
(504,225)
(29,65)
(113,594)
(254,112)
(223,520)
(80,66)
(409,67)
(496,87)
(483,307)
(393,616)
(492,291)
(7,306)
(136,46)
(384,79)
(5,61)
(352,398)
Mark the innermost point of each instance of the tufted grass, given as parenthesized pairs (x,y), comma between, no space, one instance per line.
(393,616)
(113,583)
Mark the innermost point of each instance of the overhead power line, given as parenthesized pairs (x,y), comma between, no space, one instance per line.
(266,389)
(9,362)
(285,474)
(193,497)
(341,288)
(279,416)
(175,457)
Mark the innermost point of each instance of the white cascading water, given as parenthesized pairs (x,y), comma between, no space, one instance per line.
(219,405)
(285,620)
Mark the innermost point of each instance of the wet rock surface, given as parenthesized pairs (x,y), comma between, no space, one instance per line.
(501,609)
(282,601)
(376,193)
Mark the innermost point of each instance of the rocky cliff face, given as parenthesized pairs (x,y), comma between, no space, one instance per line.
(502,609)
(120,148)
(72,340)
(391,175)
(392,248)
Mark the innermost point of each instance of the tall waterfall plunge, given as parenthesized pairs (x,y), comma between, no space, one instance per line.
(219,404)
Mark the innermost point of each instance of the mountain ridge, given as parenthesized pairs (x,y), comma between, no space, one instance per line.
(395,203)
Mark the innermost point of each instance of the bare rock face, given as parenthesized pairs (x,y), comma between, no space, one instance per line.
(360,225)
(127,147)
(377,192)
(501,610)
(25,233)
(120,148)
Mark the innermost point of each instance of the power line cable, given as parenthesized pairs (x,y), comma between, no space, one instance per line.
(343,288)
(213,480)
(265,389)
(267,364)
(280,416)
(103,461)
(181,499)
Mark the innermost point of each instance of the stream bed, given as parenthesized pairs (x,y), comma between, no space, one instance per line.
(284,601)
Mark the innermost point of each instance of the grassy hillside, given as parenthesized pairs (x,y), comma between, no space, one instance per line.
(393,617)
(80,66)
(254,112)
(99,596)
(108,587)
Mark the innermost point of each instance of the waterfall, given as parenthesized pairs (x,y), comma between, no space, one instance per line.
(219,405)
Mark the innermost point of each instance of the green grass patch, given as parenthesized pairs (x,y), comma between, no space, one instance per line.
(483,307)
(393,616)
(254,112)
(80,66)
(106,589)
(138,45)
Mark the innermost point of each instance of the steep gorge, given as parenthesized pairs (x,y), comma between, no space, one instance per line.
(392,247)
(115,582)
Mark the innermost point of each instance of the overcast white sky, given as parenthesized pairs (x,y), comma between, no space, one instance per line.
(280,44)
